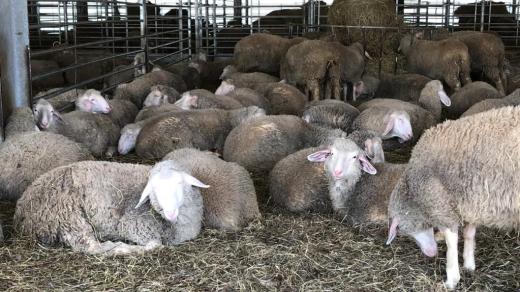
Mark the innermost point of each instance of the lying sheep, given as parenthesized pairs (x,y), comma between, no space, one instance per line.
(284,99)
(204,99)
(61,100)
(360,199)
(469,95)
(26,156)
(487,54)
(122,112)
(446,60)
(230,201)
(96,207)
(406,87)
(331,114)
(245,96)
(299,185)
(189,74)
(262,52)
(259,143)
(21,120)
(488,104)
(202,129)
(244,80)
(161,94)
(461,172)
(370,87)
(154,111)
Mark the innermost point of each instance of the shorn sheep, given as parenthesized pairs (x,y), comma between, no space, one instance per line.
(99,207)
(462,172)
(230,201)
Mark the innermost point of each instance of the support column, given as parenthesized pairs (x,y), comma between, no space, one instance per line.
(14,40)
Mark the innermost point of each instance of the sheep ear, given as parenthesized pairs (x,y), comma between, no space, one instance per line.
(366,166)
(359,87)
(445,99)
(419,35)
(393,224)
(319,156)
(307,118)
(389,126)
(368,55)
(145,195)
(194,182)
(57,116)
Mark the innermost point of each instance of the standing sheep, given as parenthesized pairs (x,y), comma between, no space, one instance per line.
(262,52)
(230,202)
(202,129)
(91,207)
(28,155)
(462,172)
(488,104)
(351,66)
(446,60)
(331,114)
(469,95)
(244,80)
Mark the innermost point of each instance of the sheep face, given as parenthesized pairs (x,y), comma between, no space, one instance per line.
(93,102)
(343,160)
(128,138)
(437,87)
(167,189)
(225,88)
(398,125)
(156,98)
(374,150)
(228,70)
(45,115)
(187,101)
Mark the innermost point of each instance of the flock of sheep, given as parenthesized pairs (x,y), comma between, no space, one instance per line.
(315,155)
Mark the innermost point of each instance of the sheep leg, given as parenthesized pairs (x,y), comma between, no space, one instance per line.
(453,82)
(314,87)
(469,247)
(465,74)
(452,261)
(493,74)
(328,89)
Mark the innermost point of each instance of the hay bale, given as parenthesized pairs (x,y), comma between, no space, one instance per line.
(366,13)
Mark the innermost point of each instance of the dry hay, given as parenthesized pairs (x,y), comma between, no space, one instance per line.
(380,13)
(281,252)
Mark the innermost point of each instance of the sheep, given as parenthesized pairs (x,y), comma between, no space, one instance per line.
(461,172)
(488,104)
(259,143)
(28,155)
(331,114)
(245,96)
(61,100)
(230,203)
(360,199)
(262,52)
(370,87)
(351,63)
(487,55)
(123,112)
(284,99)
(209,71)
(406,87)
(469,95)
(204,99)
(189,74)
(202,129)
(96,207)
(21,120)
(154,111)
(299,185)
(244,80)
(137,90)
(446,60)
(161,94)
(139,64)
(121,74)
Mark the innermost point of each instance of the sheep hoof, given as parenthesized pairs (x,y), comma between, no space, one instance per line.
(111,151)
(450,285)
(152,245)
(469,266)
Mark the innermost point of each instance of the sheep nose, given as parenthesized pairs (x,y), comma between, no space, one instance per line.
(109,109)
(338,172)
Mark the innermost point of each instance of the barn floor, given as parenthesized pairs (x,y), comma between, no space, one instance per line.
(311,252)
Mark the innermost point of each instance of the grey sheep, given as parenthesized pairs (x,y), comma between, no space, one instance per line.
(189,74)
(230,202)
(161,94)
(262,52)
(351,63)
(487,54)
(122,74)
(446,60)
(370,88)
(122,112)
(260,143)
(462,172)
(488,104)
(154,111)
(96,207)
(204,99)
(469,95)
(406,87)
(203,129)
(331,113)
(61,100)
(28,155)
(244,80)
(21,120)
(284,99)
(245,96)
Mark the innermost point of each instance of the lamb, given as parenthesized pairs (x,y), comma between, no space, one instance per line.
(487,55)
(262,52)
(161,94)
(460,172)
(446,60)
(21,120)
(26,156)
(202,129)
(469,95)
(259,143)
(204,99)
(488,104)
(360,199)
(331,114)
(98,207)
(299,185)
(284,99)
(245,80)
(245,96)
(405,87)
(230,203)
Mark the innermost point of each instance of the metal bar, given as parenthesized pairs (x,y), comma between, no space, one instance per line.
(14,36)
(144,32)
